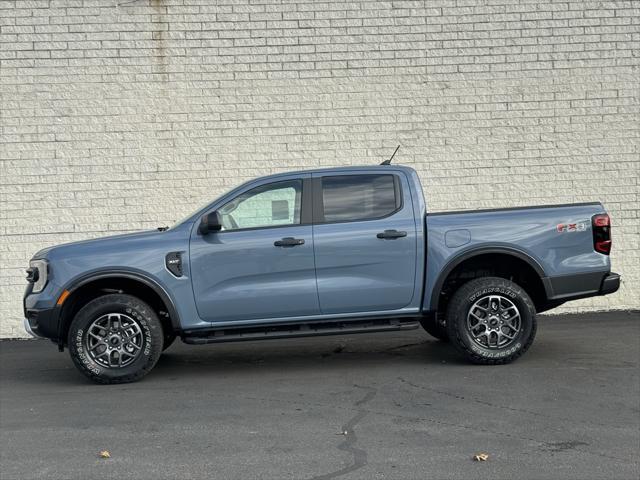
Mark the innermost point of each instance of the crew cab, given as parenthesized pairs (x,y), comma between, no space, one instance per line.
(332,251)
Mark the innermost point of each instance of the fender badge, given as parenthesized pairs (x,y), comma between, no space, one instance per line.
(571,227)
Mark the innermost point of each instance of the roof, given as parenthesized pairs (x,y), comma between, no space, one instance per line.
(354,168)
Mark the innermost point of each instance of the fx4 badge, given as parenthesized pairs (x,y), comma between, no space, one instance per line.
(572,227)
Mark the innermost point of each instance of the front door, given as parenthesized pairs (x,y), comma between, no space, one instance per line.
(260,265)
(365,242)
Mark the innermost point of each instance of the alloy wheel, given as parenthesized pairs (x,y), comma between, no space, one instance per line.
(114,340)
(494,322)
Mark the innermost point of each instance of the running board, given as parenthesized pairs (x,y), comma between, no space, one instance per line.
(301,330)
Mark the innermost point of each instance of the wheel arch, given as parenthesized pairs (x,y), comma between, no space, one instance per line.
(88,287)
(533,270)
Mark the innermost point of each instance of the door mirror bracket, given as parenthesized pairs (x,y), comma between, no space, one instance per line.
(209,223)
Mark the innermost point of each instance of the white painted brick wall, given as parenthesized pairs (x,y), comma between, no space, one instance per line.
(122,117)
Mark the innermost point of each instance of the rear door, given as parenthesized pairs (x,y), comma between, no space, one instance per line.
(365,241)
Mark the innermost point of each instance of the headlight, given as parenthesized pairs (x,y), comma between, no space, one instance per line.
(37,274)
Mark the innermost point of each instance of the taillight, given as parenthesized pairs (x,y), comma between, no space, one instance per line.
(601,225)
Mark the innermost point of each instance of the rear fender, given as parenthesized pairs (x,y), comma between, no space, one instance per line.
(474,252)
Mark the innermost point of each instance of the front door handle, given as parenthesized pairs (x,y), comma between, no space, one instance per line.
(289,242)
(391,234)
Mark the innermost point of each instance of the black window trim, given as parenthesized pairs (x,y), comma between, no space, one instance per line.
(318,202)
(306,200)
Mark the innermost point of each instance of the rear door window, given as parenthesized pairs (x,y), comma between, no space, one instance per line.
(348,198)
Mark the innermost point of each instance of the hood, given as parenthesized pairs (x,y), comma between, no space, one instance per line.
(124,240)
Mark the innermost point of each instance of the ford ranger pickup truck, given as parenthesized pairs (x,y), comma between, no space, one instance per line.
(322,252)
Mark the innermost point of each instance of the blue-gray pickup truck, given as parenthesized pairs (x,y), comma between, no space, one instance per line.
(333,251)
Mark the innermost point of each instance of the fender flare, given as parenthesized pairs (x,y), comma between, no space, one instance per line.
(474,252)
(79,282)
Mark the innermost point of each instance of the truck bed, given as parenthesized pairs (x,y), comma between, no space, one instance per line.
(556,240)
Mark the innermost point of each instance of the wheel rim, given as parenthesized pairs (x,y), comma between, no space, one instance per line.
(494,322)
(114,340)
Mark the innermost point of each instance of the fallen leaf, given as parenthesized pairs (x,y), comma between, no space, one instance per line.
(104,454)
(481,457)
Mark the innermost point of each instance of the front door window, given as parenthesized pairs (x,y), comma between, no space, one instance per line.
(272,205)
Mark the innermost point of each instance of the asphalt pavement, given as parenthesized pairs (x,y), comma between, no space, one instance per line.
(387,405)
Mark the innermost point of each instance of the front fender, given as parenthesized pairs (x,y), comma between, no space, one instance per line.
(130,274)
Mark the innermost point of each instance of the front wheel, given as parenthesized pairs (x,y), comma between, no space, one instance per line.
(491,321)
(115,339)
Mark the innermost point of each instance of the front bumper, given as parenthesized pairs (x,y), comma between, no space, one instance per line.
(40,318)
(42,323)
(28,329)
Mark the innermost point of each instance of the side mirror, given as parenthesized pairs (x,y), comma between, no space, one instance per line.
(210,223)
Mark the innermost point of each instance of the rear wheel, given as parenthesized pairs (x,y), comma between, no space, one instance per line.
(491,321)
(115,339)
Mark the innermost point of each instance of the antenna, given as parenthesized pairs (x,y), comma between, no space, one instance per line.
(388,162)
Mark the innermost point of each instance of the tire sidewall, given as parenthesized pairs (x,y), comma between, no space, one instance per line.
(513,294)
(151,333)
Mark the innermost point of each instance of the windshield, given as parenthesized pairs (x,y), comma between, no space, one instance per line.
(233,204)
(189,215)
(202,207)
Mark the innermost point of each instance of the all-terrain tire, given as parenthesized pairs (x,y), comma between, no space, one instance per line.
(469,339)
(436,328)
(130,315)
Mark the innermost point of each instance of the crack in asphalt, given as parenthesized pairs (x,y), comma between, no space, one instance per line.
(543,445)
(564,446)
(350,438)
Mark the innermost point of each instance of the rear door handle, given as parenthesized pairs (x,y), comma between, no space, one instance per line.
(391,234)
(289,242)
